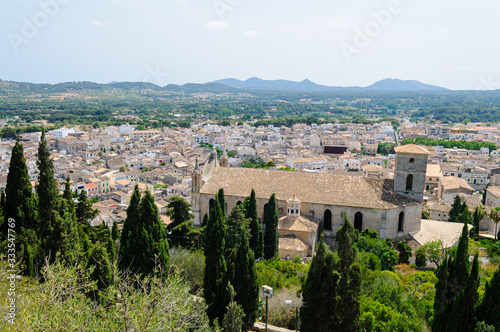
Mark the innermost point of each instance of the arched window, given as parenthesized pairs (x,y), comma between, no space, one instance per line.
(238,203)
(401,222)
(409,182)
(311,213)
(411,161)
(327,220)
(358,221)
(211,205)
(265,209)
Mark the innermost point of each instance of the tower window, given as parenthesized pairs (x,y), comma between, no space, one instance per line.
(409,182)
(411,161)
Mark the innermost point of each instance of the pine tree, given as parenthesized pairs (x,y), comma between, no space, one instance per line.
(46,189)
(320,291)
(20,203)
(130,232)
(348,310)
(489,309)
(152,243)
(271,238)
(215,279)
(456,209)
(245,280)
(236,226)
(84,211)
(101,234)
(66,235)
(181,231)
(257,236)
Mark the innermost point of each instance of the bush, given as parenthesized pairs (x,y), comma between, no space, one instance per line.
(404,253)
(281,274)
(420,257)
(369,242)
(190,266)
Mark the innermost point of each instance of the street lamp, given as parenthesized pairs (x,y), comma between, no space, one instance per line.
(304,305)
(268,292)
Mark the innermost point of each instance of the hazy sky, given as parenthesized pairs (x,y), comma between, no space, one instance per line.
(450,43)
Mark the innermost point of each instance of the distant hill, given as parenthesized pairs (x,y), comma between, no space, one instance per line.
(390,84)
(255,83)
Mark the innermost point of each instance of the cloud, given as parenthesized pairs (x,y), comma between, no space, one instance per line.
(216,25)
(252,33)
(98,23)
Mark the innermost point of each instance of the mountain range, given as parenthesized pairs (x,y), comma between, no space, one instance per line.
(388,84)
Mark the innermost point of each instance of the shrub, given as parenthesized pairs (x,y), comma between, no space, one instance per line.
(420,257)
(404,253)
(189,265)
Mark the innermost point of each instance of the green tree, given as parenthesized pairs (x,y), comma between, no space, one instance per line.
(495,217)
(257,236)
(115,233)
(404,253)
(181,231)
(100,265)
(450,311)
(456,209)
(46,189)
(214,280)
(479,214)
(237,225)
(20,203)
(233,319)
(489,309)
(320,291)
(84,211)
(245,280)
(130,232)
(152,244)
(271,237)
(420,257)
(222,201)
(348,310)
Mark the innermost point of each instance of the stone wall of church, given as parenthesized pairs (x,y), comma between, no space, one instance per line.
(385,222)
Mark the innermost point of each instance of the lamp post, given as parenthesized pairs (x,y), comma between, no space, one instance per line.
(268,292)
(304,305)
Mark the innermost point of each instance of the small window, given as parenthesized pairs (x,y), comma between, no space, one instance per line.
(401,222)
(411,161)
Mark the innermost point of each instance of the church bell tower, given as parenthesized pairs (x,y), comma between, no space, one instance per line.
(411,167)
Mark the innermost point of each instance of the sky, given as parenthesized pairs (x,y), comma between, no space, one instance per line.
(449,43)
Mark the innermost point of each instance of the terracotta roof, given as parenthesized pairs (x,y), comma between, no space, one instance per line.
(301,224)
(292,242)
(317,188)
(451,182)
(411,149)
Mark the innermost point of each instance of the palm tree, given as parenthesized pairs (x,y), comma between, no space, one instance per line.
(495,217)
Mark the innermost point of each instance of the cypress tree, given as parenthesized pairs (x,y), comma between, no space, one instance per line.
(450,311)
(99,261)
(271,238)
(222,201)
(236,226)
(68,194)
(46,189)
(115,233)
(152,245)
(348,309)
(84,211)
(101,234)
(245,280)
(181,231)
(215,279)
(456,208)
(489,309)
(256,234)
(320,291)
(470,298)
(130,231)
(66,236)
(20,202)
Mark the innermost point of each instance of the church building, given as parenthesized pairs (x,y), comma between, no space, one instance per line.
(310,203)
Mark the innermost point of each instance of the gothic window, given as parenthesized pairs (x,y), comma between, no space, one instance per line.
(327,220)
(401,222)
(238,203)
(358,221)
(411,161)
(265,209)
(409,182)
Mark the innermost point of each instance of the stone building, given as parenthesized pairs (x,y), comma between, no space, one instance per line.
(391,207)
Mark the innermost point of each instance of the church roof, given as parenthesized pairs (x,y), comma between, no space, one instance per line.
(316,188)
(411,149)
(292,242)
(301,224)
